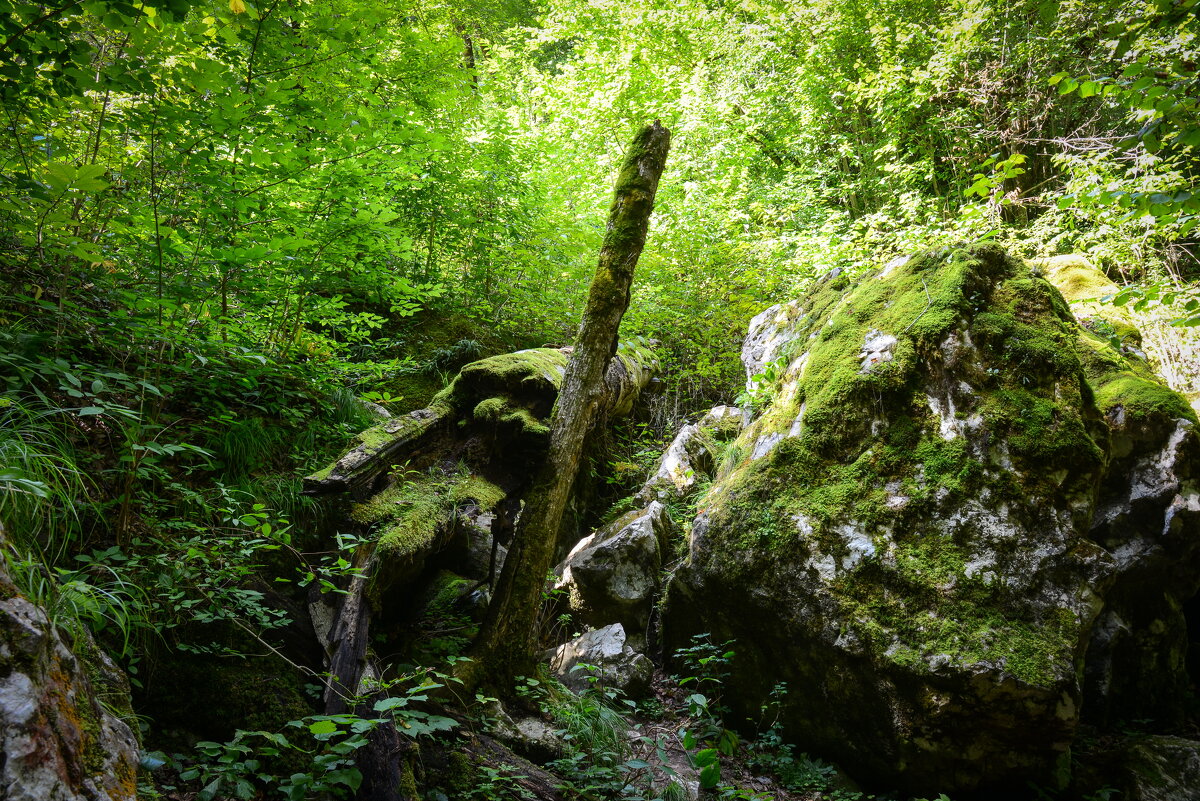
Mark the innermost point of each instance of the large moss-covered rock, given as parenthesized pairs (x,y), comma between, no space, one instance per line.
(59,737)
(902,533)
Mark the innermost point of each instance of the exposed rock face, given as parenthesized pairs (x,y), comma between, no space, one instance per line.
(950,489)
(612,575)
(57,742)
(690,455)
(614,663)
(1145,768)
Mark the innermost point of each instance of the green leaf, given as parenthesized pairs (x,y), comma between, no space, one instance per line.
(388,704)
(727,743)
(210,791)
(87,178)
(351,777)
(322,727)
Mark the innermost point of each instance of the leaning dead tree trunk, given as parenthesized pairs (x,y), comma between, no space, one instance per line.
(506,644)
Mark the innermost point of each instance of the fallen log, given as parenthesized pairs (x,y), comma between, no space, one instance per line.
(506,399)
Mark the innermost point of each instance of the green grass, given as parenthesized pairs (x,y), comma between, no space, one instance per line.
(41,483)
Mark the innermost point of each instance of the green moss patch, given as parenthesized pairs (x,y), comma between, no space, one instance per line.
(896,617)
(534,371)
(1126,384)
(411,513)
(1142,399)
(1076,278)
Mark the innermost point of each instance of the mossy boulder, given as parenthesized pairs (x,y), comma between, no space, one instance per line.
(905,531)
(62,735)
(1146,511)
(1086,288)
(1142,768)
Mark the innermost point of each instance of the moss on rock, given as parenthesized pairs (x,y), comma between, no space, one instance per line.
(537,371)
(1125,387)
(915,494)
(1076,278)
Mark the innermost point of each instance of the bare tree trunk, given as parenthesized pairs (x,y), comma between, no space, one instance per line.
(506,646)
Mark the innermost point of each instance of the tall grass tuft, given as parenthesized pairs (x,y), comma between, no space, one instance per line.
(41,484)
(247,445)
(349,410)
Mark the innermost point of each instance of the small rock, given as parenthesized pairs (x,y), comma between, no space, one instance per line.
(877,348)
(612,663)
(530,737)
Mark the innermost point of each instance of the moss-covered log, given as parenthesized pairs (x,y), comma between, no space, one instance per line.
(416,478)
(506,645)
(505,399)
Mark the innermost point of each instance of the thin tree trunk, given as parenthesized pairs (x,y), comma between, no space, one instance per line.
(507,643)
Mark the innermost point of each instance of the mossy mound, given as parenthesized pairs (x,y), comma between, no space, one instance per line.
(527,375)
(194,696)
(512,392)
(503,402)
(410,514)
(1086,288)
(901,534)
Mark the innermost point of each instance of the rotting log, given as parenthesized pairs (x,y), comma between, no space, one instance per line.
(359,469)
(506,645)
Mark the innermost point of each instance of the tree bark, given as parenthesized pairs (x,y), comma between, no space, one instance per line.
(507,643)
